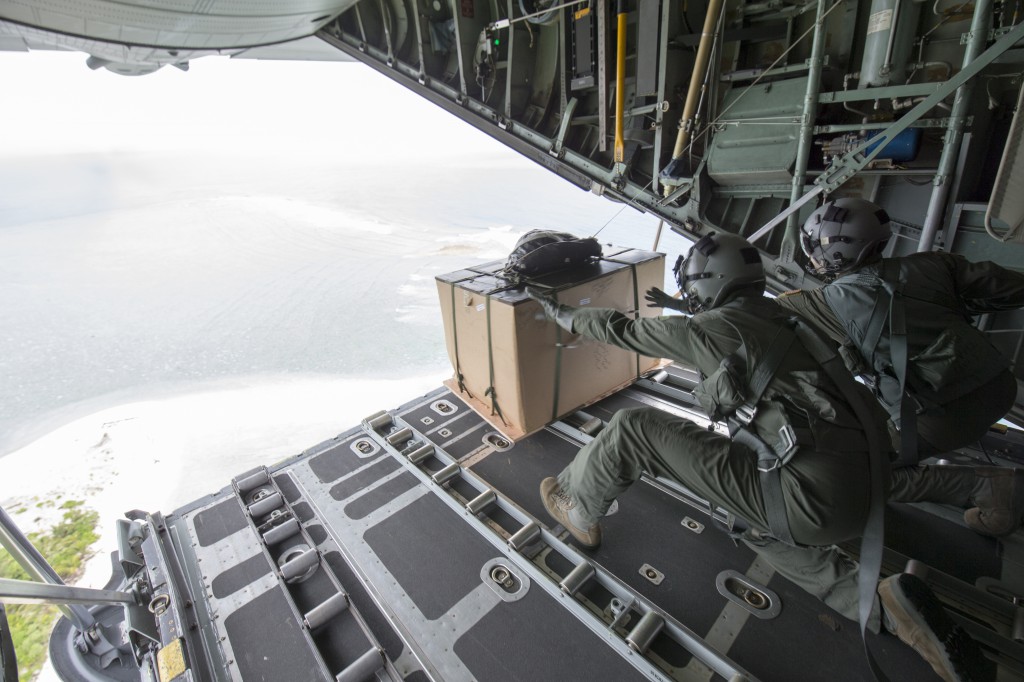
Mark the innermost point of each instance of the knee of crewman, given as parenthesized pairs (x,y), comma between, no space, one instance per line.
(629,417)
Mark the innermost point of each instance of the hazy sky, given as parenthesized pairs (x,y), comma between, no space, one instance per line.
(54,104)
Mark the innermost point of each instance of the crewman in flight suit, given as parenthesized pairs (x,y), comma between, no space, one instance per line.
(825,485)
(955,383)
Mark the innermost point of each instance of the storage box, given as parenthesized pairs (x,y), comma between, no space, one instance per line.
(521,371)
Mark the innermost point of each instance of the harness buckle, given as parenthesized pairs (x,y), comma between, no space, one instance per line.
(745,413)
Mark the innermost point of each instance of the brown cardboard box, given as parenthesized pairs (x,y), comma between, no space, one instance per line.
(519,370)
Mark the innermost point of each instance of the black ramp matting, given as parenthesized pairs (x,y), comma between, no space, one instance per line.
(534,639)
(648,529)
(268,643)
(518,472)
(288,488)
(219,521)
(941,544)
(466,444)
(317,533)
(240,575)
(378,497)
(809,641)
(303,512)
(373,472)
(415,415)
(336,462)
(432,552)
(368,609)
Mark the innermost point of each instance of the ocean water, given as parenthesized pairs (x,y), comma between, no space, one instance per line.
(131,276)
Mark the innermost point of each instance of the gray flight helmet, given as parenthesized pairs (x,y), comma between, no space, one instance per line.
(718,267)
(843,234)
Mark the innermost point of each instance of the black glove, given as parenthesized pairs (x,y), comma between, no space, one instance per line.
(656,298)
(559,312)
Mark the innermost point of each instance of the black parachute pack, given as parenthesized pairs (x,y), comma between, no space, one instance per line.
(539,252)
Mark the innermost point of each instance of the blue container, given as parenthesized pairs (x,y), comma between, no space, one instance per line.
(903,147)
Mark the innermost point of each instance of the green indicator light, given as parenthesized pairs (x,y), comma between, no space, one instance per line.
(497,41)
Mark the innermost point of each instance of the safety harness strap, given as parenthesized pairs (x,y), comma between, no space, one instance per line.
(889,307)
(874,529)
(769,462)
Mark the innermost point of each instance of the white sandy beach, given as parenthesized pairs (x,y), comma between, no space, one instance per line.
(160,454)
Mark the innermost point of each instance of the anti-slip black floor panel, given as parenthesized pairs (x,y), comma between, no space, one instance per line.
(435,556)
(465,442)
(647,530)
(288,488)
(240,575)
(536,639)
(268,643)
(219,521)
(373,472)
(336,462)
(423,417)
(378,497)
(829,645)
(518,472)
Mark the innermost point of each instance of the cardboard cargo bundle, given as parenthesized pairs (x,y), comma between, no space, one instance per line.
(521,371)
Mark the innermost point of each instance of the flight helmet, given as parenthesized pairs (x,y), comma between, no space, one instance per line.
(843,234)
(717,267)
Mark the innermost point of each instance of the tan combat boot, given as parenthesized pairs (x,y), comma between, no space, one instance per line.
(998,500)
(564,509)
(914,614)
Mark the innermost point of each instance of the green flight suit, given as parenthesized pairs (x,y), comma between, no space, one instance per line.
(961,381)
(825,485)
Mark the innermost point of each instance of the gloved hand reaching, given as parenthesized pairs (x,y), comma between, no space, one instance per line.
(656,298)
(559,312)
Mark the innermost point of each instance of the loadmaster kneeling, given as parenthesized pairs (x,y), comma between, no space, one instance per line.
(807,465)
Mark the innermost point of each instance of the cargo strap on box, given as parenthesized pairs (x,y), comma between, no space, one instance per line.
(455,338)
(558,366)
(490,392)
